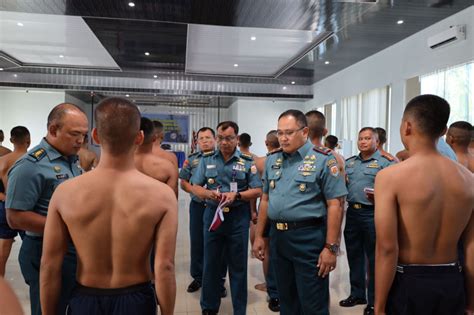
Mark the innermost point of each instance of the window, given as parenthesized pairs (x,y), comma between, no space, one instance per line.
(456,85)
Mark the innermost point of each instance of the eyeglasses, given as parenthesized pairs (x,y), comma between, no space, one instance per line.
(227,139)
(288,133)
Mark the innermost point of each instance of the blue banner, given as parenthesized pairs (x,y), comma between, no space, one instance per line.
(175,127)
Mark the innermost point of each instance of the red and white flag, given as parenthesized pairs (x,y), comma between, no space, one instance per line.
(218,216)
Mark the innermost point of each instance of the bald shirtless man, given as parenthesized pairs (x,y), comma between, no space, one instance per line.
(423,208)
(459,138)
(3,150)
(87,158)
(152,165)
(317,130)
(20,137)
(382,140)
(113,214)
(170,156)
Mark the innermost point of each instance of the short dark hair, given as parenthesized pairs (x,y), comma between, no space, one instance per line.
(332,141)
(245,140)
(463,133)
(316,123)
(369,129)
(148,128)
(228,124)
(118,123)
(272,139)
(57,114)
(19,134)
(297,114)
(204,129)
(431,114)
(382,135)
(158,126)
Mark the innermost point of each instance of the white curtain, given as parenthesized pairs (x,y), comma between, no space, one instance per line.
(367,109)
(456,85)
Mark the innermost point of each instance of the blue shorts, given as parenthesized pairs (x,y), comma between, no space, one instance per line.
(138,299)
(5,231)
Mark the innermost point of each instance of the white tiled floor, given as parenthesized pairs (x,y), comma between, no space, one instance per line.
(188,303)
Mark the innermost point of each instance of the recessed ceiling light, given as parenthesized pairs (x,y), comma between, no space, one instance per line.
(155,76)
(284,88)
(400,22)
(19,24)
(15,75)
(293,82)
(61,56)
(236,65)
(1,69)
(147,53)
(326,62)
(131,4)
(253,38)
(127,95)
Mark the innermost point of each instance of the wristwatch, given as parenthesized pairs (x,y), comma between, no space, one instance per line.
(333,248)
(238,196)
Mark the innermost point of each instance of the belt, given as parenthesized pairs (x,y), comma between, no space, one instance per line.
(418,269)
(284,226)
(356,205)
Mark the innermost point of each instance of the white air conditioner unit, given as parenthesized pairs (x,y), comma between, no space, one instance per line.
(454,34)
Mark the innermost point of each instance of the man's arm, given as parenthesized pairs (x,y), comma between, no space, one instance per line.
(55,242)
(259,244)
(26,220)
(186,185)
(468,240)
(386,245)
(165,244)
(173,181)
(326,258)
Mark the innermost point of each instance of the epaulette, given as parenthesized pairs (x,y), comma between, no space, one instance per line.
(322,150)
(246,156)
(208,153)
(388,157)
(38,154)
(275,151)
(351,157)
(194,154)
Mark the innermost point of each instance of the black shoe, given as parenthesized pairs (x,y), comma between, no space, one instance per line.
(209,312)
(194,286)
(351,301)
(369,310)
(223,293)
(274,305)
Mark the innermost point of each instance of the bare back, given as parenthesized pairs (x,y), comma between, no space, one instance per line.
(6,162)
(113,218)
(4,150)
(466,159)
(166,155)
(158,168)
(435,199)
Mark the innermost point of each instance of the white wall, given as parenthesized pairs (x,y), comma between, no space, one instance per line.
(27,109)
(392,66)
(257,117)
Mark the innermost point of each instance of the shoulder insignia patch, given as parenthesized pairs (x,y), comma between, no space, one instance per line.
(208,153)
(194,154)
(388,157)
(322,150)
(275,151)
(38,154)
(247,157)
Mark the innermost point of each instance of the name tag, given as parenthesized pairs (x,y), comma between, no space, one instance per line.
(211,166)
(233,187)
(62,176)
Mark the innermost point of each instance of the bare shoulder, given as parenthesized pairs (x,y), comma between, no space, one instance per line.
(160,166)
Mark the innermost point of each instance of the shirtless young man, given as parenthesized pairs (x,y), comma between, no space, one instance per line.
(382,140)
(20,137)
(87,158)
(152,165)
(3,150)
(113,214)
(459,138)
(170,156)
(423,209)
